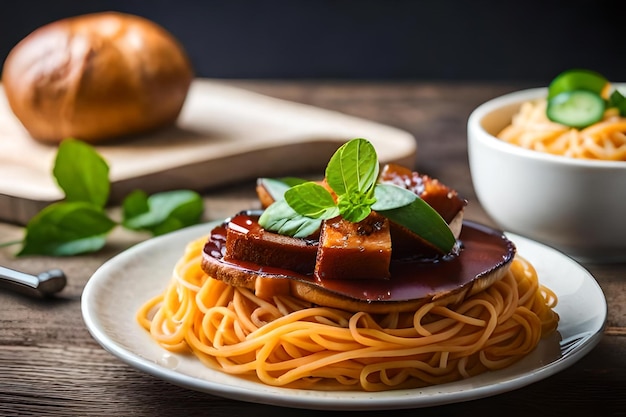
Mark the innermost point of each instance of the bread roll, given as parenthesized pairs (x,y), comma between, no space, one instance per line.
(96,77)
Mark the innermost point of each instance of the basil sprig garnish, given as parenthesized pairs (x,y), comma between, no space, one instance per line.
(352,175)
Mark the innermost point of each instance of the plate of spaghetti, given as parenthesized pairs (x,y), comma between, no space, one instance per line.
(287,313)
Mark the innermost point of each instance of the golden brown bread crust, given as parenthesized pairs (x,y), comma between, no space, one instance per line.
(96,77)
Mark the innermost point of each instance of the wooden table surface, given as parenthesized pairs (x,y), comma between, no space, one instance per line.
(50,365)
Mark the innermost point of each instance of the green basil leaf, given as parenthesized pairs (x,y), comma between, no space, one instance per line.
(353,168)
(615,99)
(82,173)
(282,219)
(67,228)
(353,209)
(135,204)
(276,188)
(618,101)
(291,181)
(423,220)
(352,174)
(311,200)
(166,211)
(389,196)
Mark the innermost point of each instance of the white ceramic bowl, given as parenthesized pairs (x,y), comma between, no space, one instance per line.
(576,206)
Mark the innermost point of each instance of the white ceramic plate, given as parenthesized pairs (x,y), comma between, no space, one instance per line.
(118,288)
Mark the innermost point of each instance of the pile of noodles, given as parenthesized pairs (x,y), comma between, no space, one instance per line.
(284,341)
(531,129)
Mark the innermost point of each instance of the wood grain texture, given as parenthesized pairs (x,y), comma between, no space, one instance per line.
(51,366)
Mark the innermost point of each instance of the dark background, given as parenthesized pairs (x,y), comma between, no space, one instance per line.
(529,41)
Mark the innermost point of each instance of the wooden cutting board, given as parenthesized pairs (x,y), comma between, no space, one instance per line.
(224,134)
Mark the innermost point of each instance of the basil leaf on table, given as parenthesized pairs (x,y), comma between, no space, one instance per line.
(82,173)
(67,228)
(80,224)
(163,212)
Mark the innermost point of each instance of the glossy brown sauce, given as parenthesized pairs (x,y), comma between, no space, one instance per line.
(482,250)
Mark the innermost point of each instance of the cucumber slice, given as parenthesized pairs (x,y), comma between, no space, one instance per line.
(578,109)
(577,79)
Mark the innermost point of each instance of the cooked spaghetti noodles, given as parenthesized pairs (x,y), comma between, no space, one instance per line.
(531,129)
(284,341)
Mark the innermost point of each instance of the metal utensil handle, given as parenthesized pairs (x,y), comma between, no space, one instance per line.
(44,284)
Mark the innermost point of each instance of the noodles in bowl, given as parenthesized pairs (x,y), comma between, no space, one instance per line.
(582,115)
(532,186)
(531,129)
